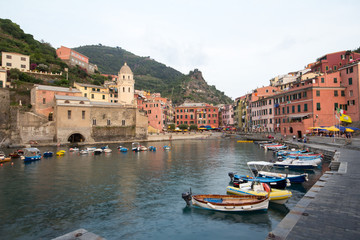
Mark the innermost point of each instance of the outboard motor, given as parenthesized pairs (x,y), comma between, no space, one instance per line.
(231,175)
(187,197)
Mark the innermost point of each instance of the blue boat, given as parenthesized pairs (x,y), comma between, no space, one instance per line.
(279,183)
(152,148)
(48,154)
(31,154)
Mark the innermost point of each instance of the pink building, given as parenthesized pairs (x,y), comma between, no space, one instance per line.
(227,115)
(262,112)
(74,58)
(42,98)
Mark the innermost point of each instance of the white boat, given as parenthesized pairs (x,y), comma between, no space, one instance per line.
(91,149)
(298,164)
(83,152)
(98,151)
(228,203)
(107,150)
(2,155)
(135,147)
(75,149)
(143,148)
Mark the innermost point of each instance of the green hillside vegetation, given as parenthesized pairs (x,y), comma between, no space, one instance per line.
(151,75)
(42,58)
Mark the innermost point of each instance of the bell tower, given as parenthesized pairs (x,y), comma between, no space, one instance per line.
(126,85)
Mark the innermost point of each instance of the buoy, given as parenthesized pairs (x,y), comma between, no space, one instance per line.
(12,164)
(1,164)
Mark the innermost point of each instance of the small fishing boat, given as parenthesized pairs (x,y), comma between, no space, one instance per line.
(152,148)
(105,147)
(292,151)
(90,149)
(83,152)
(143,148)
(107,150)
(2,155)
(122,149)
(264,169)
(14,154)
(256,189)
(228,203)
(304,156)
(61,153)
(98,151)
(48,154)
(75,149)
(275,147)
(166,147)
(135,146)
(31,154)
(297,164)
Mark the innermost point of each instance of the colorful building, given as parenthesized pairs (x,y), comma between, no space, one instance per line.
(350,79)
(42,98)
(74,58)
(334,61)
(3,78)
(200,114)
(309,103)
(227,115)
(262,112)
(93,92)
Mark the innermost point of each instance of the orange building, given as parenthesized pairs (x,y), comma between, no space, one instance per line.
(42,98)
(199,114)
(74,58)
(309,103)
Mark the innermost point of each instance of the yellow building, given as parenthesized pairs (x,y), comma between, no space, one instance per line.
(15,60)
(93,92)
(3,77)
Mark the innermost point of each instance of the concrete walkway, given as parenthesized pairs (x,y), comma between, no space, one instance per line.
(331,208)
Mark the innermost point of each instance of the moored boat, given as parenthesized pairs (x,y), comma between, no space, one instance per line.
(84,151)
(2,155)
(75,149)
(98,151)
(107,150)
(31,154)
(135,146)
(166,147)
(152,148)
(48,154)
(122,149)
(256,189)
(297,164)
(61,153)
(228,203)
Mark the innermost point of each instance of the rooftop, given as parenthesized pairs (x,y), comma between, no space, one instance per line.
(89,85)
(62,97)
(57,89)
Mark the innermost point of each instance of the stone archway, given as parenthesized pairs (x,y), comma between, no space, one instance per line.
(76,137)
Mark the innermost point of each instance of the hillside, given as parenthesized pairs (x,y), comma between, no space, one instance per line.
(153,76)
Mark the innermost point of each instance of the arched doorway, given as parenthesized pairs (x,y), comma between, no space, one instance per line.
(76,137)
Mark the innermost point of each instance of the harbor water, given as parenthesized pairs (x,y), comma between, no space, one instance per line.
(134,195)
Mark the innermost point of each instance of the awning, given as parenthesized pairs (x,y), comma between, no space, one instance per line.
(299,115)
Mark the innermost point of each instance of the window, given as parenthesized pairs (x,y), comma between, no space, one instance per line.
(318,106)
(83,114)
(350,69)
(270,110)
(350,81)
(342,93)
(108,122)
(335,79)
(317,93)
(336,106)
(283,110)
(287,109)
(129,90)
(293,109)
(23,66)
(8,56)
(305,107)
(304,94)
(103,96)
(299,108)
(94,122)
(44,100)
(85,88)
(92,96)
(8,64)
(123,89)
(85,94)
(335,68)
(336,93)
(351,93)
(322,80)
(69,114)
(327,68)
(123,122)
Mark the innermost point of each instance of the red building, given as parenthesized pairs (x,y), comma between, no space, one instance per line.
(350,78)
(333,61)
(200,114)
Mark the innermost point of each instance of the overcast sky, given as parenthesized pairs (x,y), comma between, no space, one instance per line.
(237,45)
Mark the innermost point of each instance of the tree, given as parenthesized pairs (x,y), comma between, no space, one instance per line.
(172,127)
(193,127)
(183,126)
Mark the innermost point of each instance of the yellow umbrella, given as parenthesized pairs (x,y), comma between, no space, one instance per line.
(332,129)
(349,130)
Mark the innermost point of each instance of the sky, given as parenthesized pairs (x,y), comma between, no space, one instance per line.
(237,45)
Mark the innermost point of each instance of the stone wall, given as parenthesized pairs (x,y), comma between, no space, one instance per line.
(5,120)
(32,127)
(113,133)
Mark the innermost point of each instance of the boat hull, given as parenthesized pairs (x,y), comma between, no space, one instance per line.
(275,196)
(229,203)
(273,182)
(292,177)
